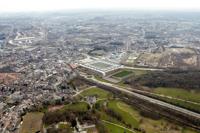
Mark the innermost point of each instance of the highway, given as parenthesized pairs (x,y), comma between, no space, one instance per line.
(151,100)
(142,68)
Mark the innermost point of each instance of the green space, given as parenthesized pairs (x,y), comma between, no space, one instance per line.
(112,128)
(122,74)
(100,93)
(78,106)
(190,106)
(128,115)
(63,126)
(180,97)
(189,95)
(114,115)
(104,116)
(139,72)
(101,79)
(32,123)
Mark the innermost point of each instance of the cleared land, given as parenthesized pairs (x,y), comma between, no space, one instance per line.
(8,78)
(32,123)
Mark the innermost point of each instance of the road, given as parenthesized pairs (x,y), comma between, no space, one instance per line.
(142,68)
(151,100)
(118,126)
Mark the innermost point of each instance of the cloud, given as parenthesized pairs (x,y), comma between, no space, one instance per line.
(45,5)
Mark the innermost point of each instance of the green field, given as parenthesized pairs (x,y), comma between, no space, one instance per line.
(122,74)
(101,79)
(79,106)
(112,128)
(179,93)
(127,113)
(130,117)
(32,123)
(65,127)
(100,93)
(190,106)
(139,72)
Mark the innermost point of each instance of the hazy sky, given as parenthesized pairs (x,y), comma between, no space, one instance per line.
(45,5)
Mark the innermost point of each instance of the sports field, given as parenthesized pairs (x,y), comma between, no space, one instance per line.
(122,74)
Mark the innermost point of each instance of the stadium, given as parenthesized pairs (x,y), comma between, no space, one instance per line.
(101,68)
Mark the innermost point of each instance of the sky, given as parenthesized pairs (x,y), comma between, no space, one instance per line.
(53,5)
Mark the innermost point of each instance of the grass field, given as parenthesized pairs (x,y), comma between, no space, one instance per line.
(79,106)
(179,93)
(116,129)
(101,79)
(32,123)
(65,127)
(133,117)
(139,72)
(128,115)
(180,103)
(100,93)
(122,74)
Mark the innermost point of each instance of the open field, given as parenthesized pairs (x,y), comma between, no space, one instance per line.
(180,103)
(127,116)
(132,116)
(65,127)
(113,128)
(79,106)
(100,93)
(189,95)
(139,72)
(189,99)
(32,123)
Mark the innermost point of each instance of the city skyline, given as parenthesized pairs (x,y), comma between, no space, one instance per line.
(54,5)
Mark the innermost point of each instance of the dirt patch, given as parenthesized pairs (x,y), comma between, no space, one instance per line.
(8,78)
(54,108)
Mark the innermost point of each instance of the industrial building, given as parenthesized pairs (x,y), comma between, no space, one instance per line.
(101,68)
